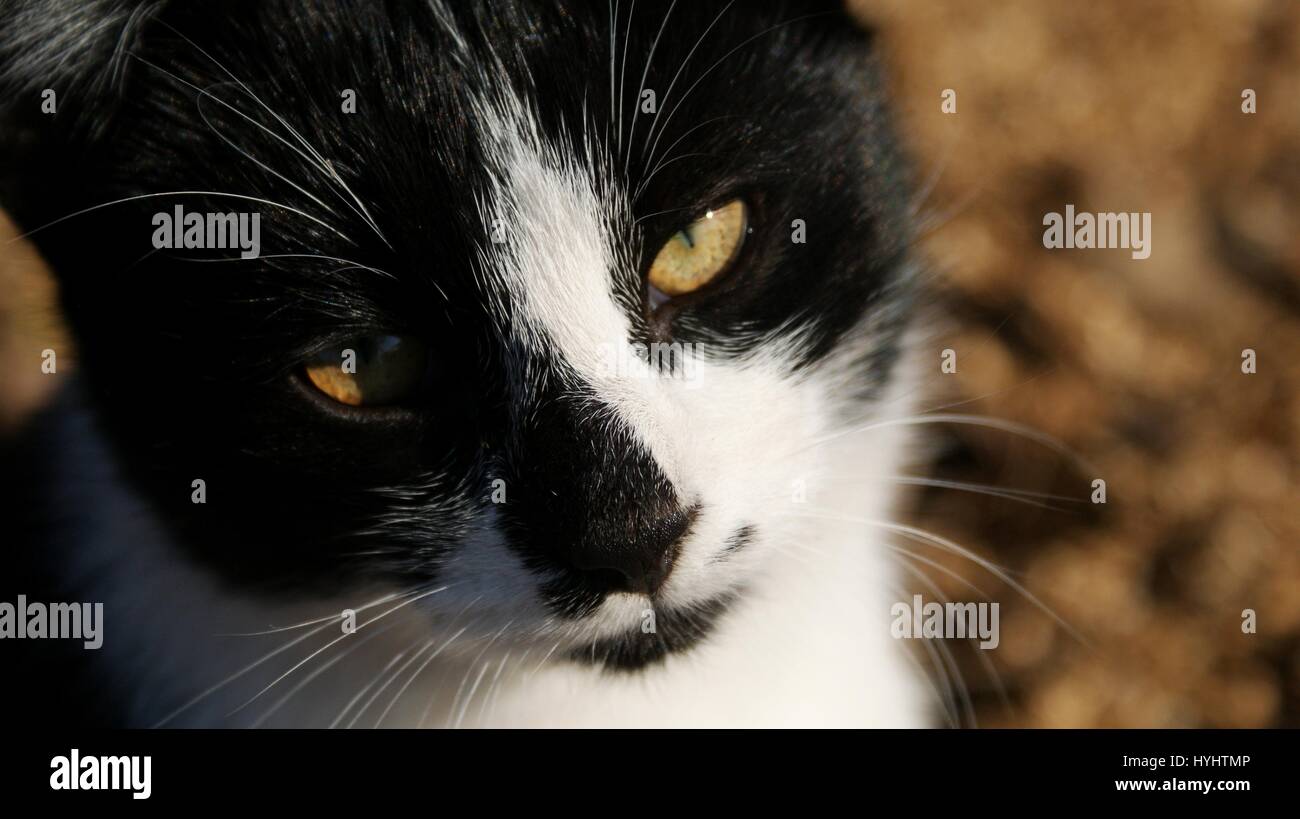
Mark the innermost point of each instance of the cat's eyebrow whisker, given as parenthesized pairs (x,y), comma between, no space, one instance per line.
(208,122)
(710,69)
(322,163)
(685,61)
(651,176)
(137,197)
(206,92)
(354,265)
(622,72)
(613,50)
(659,213)
(668,151)
(641,86)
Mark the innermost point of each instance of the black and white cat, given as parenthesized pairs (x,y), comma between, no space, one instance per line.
(559,392)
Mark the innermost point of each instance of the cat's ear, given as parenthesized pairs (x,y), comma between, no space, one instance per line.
(67,58)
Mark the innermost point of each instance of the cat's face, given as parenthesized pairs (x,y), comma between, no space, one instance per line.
(488,209)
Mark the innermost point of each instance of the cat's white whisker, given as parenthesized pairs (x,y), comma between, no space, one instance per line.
(947,698)
(138,197)
(987,422)
(352,265)
(316,672)
(1018,495)
(334,642)
(207,92)
(669,150)
(250,667)
(460,714)
(322,164)
(622,72)
(417,673)
(711,68)
(990,394)
(394,660)
(989,668)
(927,677)
(641,85)
(963,689)
(330,618)
(391,679)
(546,658)
(663,101)
(613,48)
(490,694)
(650,177)
(922,536)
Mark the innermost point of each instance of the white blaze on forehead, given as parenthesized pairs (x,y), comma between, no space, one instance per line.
(550,242)
(563,228)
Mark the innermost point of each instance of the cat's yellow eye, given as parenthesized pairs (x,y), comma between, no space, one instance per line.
(700,253)
(370,371)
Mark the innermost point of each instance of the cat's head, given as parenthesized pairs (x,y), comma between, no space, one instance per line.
(555,305)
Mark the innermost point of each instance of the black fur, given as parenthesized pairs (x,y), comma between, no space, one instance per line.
(192,365)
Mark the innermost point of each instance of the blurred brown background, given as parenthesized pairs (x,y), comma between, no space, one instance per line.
(1135,365)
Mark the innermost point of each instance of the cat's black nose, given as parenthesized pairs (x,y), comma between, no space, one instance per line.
(589,499)
(640,562)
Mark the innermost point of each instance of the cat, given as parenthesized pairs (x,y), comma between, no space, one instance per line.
(560,392)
